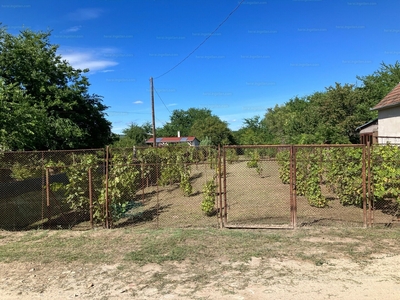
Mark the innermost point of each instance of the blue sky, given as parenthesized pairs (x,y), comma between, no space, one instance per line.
(266,53)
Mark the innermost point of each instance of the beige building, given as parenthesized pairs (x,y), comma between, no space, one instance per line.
(389,117)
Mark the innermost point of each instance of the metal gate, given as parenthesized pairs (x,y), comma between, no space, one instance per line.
(252,193)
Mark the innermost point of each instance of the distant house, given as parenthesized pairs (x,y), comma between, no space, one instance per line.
(389,117)
(164,141)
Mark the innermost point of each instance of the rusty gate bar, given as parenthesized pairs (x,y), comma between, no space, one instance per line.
(370,186)
(107,224)
(219,214)
(292,172)
(90,198)
(225,208)
(48,197)
(364,187)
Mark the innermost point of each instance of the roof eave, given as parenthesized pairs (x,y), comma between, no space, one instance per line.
(386,106)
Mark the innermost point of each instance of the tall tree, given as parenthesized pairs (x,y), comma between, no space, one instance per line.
(134,135)
(182,121)
(33,74)
(213,129)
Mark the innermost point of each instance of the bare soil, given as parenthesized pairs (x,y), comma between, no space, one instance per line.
(283,276)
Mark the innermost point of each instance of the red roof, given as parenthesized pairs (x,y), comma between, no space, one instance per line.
(391,99)
(172,139)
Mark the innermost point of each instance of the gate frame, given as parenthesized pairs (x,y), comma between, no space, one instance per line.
(366,184)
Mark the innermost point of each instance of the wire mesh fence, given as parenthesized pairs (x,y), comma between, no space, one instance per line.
(255,194)
(152,187)
(281,186)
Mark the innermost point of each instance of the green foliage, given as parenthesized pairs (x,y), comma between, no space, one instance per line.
(283,158)
(44,102)
(213,128)
(209,194)
(185,184)
(182,121)
(344,174)
(134,135)
(255,157)
(386,172)
(231,156)
(21,171)
(122,184)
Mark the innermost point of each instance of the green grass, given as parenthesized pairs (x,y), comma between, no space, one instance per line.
(127,246)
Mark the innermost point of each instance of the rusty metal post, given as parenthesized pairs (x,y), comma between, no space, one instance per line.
(221,173)
(43,183)
(291,185)
(364,185)
(293,207)
(157,191)
(107,225)
(370,198)
(48,196)
(90,197)
(225,204)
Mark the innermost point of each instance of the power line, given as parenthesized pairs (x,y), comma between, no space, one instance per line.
(231,13)
(161,99)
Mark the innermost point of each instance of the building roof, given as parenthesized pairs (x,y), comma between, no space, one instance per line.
(391,99)
(172,139)
(370,123)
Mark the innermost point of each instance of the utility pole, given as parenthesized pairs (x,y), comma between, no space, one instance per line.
(152,111)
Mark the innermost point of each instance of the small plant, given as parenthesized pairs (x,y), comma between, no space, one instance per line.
(255,157)
(209,193)
(259,170)
(185,184)
(231,156)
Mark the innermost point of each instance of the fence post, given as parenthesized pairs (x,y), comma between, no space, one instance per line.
(48,196)
(370,198)
(293,200)
(90,197)
(225,204)
(220,174)
(364,185)
(107,225)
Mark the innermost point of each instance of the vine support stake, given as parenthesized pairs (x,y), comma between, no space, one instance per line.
(106,183)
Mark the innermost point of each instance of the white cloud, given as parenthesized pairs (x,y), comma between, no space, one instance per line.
(172,104)
(83,14)
(88,59)
(138,102)
(73,29)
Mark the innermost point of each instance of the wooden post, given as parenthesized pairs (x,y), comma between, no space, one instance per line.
(152,111)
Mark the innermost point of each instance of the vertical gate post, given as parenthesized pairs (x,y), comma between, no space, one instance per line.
(107,225)
(364,185)
(370,199)
(293,200)
(90,197)
(48,196)
(219,173)
(225,205)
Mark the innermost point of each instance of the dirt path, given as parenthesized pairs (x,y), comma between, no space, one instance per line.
(257,279)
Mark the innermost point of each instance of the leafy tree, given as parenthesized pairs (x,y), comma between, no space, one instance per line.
(214,129)
(63,114)
(253,132)
(377,85)
(134,135)
(182,121)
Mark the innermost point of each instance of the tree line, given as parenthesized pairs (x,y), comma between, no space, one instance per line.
(330,116)
(45,104)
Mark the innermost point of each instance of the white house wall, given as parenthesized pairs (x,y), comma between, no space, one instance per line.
(389,125)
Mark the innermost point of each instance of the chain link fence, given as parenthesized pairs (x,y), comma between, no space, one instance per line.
(151,187)
(313,185)
(274,186)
